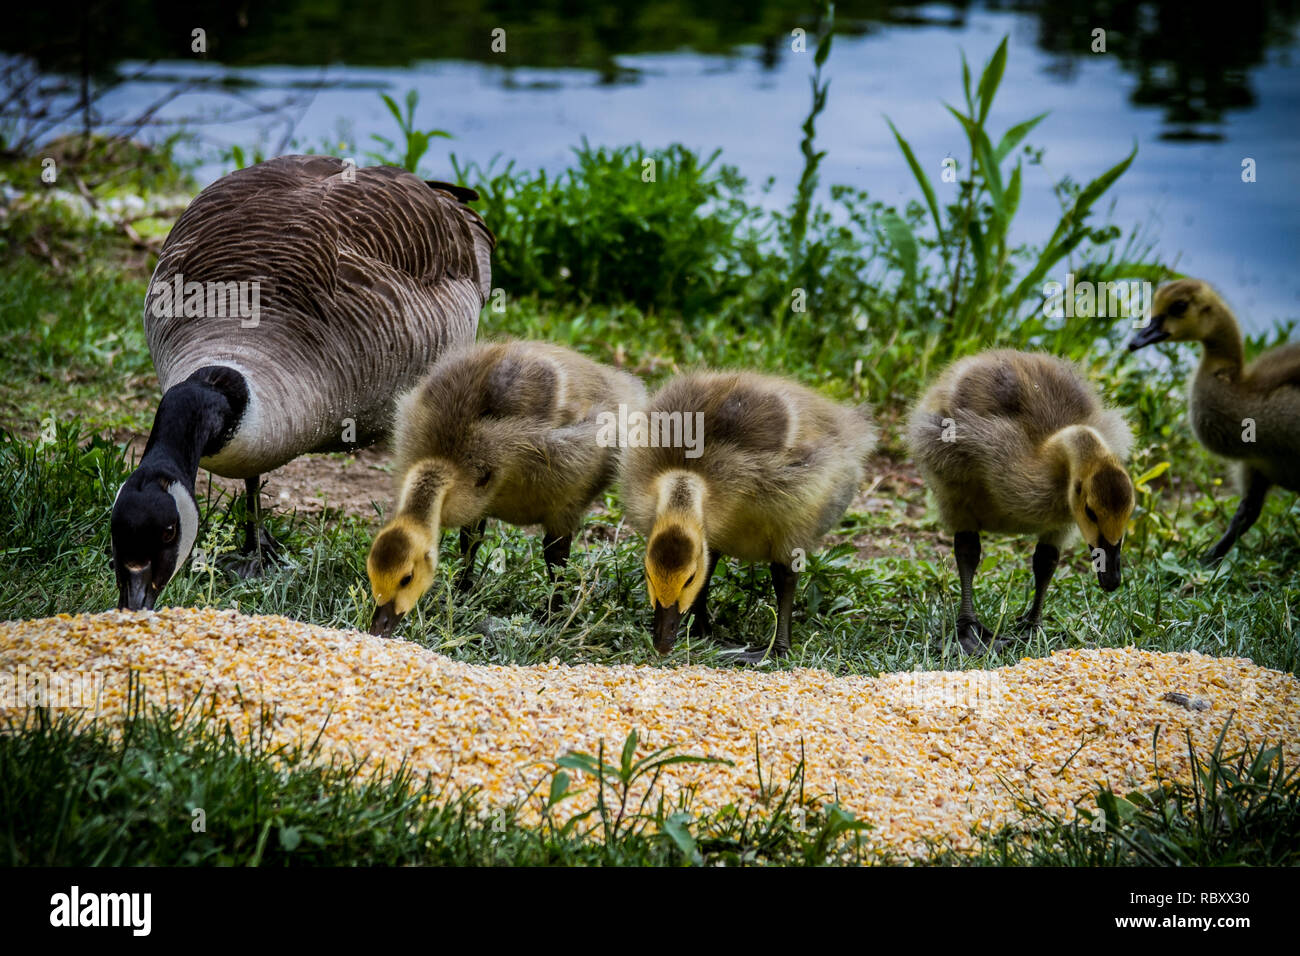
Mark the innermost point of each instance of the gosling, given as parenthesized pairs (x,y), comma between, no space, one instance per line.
(1019,443)
(1250,414)
(505,430)
(750,466)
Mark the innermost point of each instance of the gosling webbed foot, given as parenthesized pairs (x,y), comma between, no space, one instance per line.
(974,638)
(466,580)
(755,655)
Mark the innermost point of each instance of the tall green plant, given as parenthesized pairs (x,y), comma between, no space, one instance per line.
(415,142)
(812,158)
(982,284)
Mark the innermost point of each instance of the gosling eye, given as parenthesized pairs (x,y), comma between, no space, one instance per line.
(169,534)
(689,580)
(1178,308)
(1092,515)
(484,477)
(405,581)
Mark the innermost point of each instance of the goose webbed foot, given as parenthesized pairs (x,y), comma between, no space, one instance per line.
(1212,558)
(258,555)
(975,638)
(777,650)
(1027,625)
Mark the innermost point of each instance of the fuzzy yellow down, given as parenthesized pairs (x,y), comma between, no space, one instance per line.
(923,756)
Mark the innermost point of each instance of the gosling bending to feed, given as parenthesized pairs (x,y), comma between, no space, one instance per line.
(505,430)
(1019,443)
(775,468)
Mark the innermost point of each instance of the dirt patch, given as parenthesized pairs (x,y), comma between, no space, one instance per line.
(311,484)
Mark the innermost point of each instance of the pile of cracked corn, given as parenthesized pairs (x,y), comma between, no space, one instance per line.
(922,757)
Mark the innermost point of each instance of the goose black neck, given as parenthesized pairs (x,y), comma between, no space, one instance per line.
(195,419)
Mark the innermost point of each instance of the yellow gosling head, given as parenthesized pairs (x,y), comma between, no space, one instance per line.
(1184,311)
(401,567)
(404,555)
(676,559)
(1101,499)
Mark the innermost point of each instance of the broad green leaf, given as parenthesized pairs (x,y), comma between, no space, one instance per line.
(559,788)
(1012,137)
(904,245)
(677,828)
(991,77)
(629,751)
(1012,197)
(392,108)
(1151,475)
(965,84)
(921,178)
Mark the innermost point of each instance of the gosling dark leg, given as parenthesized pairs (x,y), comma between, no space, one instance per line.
(470,539)
(555,552)
(973,636)
(783,582)
(701,626)
(1252,501)
(1046,557)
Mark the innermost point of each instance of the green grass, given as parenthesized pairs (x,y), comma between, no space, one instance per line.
(882,286)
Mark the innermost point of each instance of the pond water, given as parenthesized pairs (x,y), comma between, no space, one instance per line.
(1193,129)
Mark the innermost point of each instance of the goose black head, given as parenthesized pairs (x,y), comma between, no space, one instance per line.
(155,521)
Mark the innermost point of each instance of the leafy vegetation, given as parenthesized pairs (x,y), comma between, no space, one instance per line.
(654,275)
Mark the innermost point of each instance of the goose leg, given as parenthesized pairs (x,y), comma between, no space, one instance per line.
(701,626)
(470,540)
(1046,557)
(1252,501)
(555,552)
(973,636)
(260,548)
(783,583)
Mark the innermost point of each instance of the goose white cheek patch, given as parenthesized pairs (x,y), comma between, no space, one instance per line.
(189,513)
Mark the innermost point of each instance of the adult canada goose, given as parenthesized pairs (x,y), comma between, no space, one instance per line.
(735,463)
(507,430)
(1019,443)
(291,301)
(1249,413)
